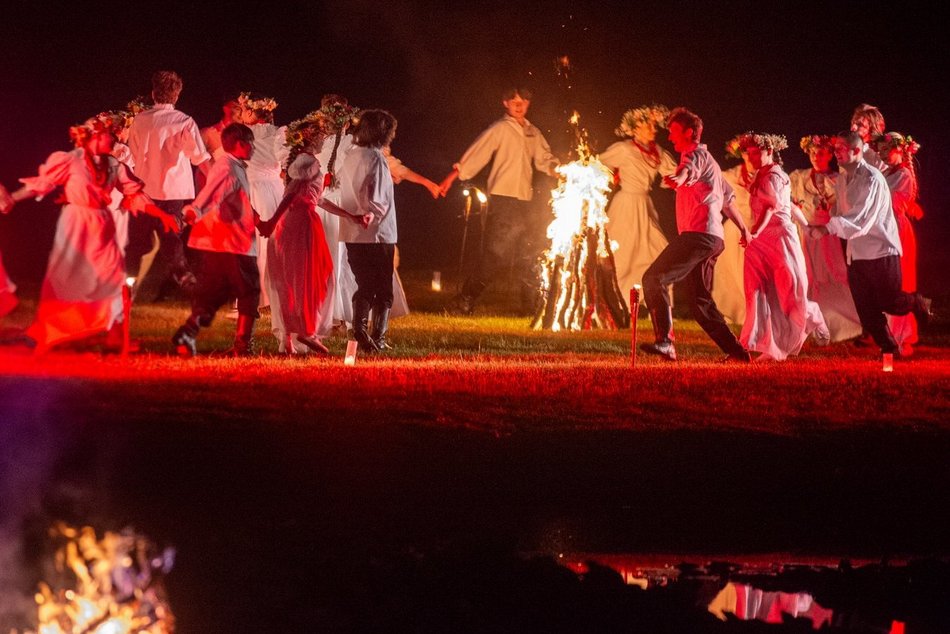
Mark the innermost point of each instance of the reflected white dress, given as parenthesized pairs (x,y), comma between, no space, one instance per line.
(82,291)
(300,269)
(824,257)
(633,222)
(728,289)
(267,187)
(779,315)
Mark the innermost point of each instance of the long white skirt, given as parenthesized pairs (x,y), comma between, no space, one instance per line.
(266,194)
(82,291)
(828,286)
(634,225)
(779,315)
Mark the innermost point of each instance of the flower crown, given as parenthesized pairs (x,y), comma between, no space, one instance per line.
(632,118)
(815,141)
(772,142)
(338,114)
(264,103)
(734,146)
(137,105)
(895,140)
(111,121)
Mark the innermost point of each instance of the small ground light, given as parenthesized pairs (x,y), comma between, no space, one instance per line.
(436,281)
(350,358)
(888,362)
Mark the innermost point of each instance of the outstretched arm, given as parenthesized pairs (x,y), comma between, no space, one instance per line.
(8,200)
(419,179)
(448,180)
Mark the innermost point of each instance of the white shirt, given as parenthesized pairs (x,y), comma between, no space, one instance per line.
(700,198)
(864,215)
(367,187)
(225,218)
(166,143)
(515,148)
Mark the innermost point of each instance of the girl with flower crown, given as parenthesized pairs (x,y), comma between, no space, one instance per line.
(633,222)
(728,289)
(264,168)
(82,291)
(813,190)
(897,152)
(779,315)
(300,271)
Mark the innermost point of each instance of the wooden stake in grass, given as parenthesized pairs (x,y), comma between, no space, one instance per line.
(634,309)
(127,315)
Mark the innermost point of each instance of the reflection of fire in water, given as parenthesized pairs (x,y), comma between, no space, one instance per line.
(578,283)
(107,586)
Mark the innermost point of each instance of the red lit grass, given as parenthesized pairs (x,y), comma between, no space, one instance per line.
(493,373)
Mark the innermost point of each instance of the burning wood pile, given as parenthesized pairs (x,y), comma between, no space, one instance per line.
(111,585)
(579,289)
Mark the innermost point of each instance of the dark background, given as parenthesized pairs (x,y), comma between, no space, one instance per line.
(793,68)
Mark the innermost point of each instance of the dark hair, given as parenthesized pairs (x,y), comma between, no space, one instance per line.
(850,137)
(873,115)
(233,133)
(375,129)
(511,93)
(166,86)
(688,120)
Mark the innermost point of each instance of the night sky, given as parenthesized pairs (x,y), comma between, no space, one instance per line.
(794,68)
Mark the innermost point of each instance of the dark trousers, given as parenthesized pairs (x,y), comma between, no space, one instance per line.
(876,289)
(222,276)
(170,263)
(509,240)
(372,265)
(690,256)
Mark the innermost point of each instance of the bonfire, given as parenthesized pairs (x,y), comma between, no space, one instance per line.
(579,289)
(111,585)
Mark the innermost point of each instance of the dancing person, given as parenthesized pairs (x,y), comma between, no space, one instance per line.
(779,315)
(231,112)
(165,144)
(897,152)
(514,146)
(224,236)
(632,220)
(813,190)
(728,289)
(264,168)
(300,269)
(122,120)
(701,200)
(866,220)
(367,188)
(81,293)
(868,122)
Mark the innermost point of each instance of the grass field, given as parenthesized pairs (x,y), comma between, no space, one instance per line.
(277,478)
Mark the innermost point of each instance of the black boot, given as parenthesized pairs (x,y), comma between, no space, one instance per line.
(381,326)
(361,326)
(184,338)
(243,337)
(922,310)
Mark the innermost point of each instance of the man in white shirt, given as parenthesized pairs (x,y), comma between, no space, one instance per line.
(515,147)
(165,144)
(866,220)
(702,197)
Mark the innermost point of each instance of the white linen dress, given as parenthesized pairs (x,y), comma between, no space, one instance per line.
(267,187)
(633,222)
(779,315)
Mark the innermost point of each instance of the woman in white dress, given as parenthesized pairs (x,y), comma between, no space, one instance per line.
(779,315)
(897,151)
(633,223)
(82,291)
(264,169)
(813,190)
(728,289)
(300,270)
